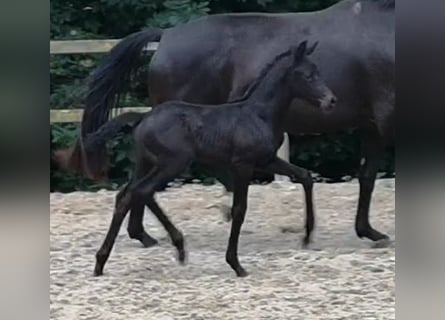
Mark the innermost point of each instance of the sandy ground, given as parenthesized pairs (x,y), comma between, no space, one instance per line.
(338,277)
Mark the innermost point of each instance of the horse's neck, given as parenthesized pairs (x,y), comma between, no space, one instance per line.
(271,99)
(272,95)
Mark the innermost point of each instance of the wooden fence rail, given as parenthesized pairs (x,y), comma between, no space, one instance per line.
(75,115)
(89,46)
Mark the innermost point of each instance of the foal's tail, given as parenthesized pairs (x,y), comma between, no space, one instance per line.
(105,86)
(123,123)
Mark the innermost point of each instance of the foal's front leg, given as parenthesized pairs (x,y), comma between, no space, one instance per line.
(225,178)
(241,186)
(303,176)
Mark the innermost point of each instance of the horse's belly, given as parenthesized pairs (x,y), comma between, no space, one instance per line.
(212,156)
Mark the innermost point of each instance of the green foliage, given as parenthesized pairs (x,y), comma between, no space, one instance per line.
(330,155)
(333,156)
(177,12)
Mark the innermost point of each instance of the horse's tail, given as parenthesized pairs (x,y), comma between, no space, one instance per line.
(123,123)
(105,85)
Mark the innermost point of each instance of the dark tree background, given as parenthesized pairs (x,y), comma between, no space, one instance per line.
(332,156)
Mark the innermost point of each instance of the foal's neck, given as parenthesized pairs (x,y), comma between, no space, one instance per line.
(272,98)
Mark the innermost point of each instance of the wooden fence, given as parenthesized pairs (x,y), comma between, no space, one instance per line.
(83,47)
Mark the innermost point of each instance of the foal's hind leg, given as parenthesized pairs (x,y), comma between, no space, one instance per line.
(303,176)
(175,235)
(144,190)
(123,204)
(135,227)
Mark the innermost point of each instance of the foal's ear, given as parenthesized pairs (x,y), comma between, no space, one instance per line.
(311,49)
(300,51)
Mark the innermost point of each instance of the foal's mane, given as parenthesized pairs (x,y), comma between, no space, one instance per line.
(262,75)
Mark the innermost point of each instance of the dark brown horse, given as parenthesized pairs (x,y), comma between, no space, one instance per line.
(213,60)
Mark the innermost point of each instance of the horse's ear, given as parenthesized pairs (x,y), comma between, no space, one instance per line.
(311,49)
(300,51)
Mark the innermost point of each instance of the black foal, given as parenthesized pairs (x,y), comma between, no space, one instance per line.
(242,136)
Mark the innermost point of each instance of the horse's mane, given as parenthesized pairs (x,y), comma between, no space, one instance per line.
(263,73)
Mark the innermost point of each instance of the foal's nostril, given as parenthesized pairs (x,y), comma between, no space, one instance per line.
(333,101)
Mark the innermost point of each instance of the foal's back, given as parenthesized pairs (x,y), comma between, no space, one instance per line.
(201,132)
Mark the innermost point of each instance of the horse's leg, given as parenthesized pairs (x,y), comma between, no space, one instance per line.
(144,191)
(300,175)
(372,153)
(241,185)
(226,179)
(175,235)
(135,227)
(122,206)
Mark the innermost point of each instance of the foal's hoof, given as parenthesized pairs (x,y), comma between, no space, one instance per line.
(306,241)
(144,238)
(98,271)
(241,273)
(182,256)
(148,241)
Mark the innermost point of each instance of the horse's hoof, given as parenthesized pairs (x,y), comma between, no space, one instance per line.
(182,257)
(98,271)
(148,241)
(383,243)
(370,233)
(306,241)
(241,273)
(144,238)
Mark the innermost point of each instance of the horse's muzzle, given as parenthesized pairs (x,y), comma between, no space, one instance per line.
(329,102)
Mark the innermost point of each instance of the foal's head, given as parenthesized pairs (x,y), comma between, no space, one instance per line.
(306,81)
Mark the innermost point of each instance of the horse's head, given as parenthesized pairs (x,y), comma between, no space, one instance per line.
(306,81)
